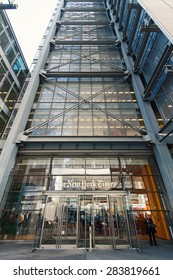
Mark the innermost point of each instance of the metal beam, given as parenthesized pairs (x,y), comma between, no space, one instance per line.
(87,42)
(84,22)
(77,32)
(10,149)
(150,28)
(122,13)
(84,74)
(97,1)
(166,130)
(126,24)
(113,7)
(134,6)
(86,57)
(80,139)
(161,151)
(117,10)
(169,70)
(90,104)
(133,31)
(141,51)
(7,6)
(85,9)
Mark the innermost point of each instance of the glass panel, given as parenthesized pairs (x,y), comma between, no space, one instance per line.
(138,175)
(68,166)
(120,223)
(60,222)
(20,225)
(32,166)
(158,217)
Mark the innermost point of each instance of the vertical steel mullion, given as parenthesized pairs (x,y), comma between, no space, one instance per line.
(42,228)
(118,10)
(59,228)
(85,234)
(85,210)
(134,28)
(59,225)
(121,173)
(49,175)
(62,199)
(92,113)
(141,51)
(106,115)
(122,13)
(93,223)
(114,7)
(126,24)
(111,225)
(78,221)
(127,222)
(78,109)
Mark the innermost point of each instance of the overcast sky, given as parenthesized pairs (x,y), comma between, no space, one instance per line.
(29,22)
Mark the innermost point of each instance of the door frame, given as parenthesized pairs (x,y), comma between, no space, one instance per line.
(63,194)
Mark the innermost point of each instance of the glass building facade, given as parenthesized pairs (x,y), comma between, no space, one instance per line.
(13,72)
(87,167)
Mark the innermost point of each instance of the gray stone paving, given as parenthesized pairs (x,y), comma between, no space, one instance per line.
(23,251)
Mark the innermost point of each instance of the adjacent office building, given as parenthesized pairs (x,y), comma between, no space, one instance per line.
(13,71)
(89,154)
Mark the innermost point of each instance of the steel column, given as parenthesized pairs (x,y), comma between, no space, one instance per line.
(133,31)
(8,154)
(121,13)
(161,151)
(141,51)
(126,25)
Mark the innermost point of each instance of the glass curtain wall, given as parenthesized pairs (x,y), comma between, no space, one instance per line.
(85,89)
(149,58)
(13,70)
(32,176)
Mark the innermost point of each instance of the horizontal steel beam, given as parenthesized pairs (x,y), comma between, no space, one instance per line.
(85,9)
(7,6)
(84,22)
(71,193)
(134,6)
(97,1)
(150,28)
(80,139)
(116,193)
(166,130)
(84,74)
(84,42)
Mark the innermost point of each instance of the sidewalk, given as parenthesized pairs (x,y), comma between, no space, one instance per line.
(23,251)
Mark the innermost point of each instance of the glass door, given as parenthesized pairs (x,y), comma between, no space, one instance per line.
(102,222)
(59,223)
(119,222)
(102,227)
(87,221)
(110,223)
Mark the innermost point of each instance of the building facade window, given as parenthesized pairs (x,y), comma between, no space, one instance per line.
(33,176)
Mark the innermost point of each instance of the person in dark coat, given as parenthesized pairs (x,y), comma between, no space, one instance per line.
(151,230)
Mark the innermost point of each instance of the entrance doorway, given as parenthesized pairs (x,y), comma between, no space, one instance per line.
(86,221)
